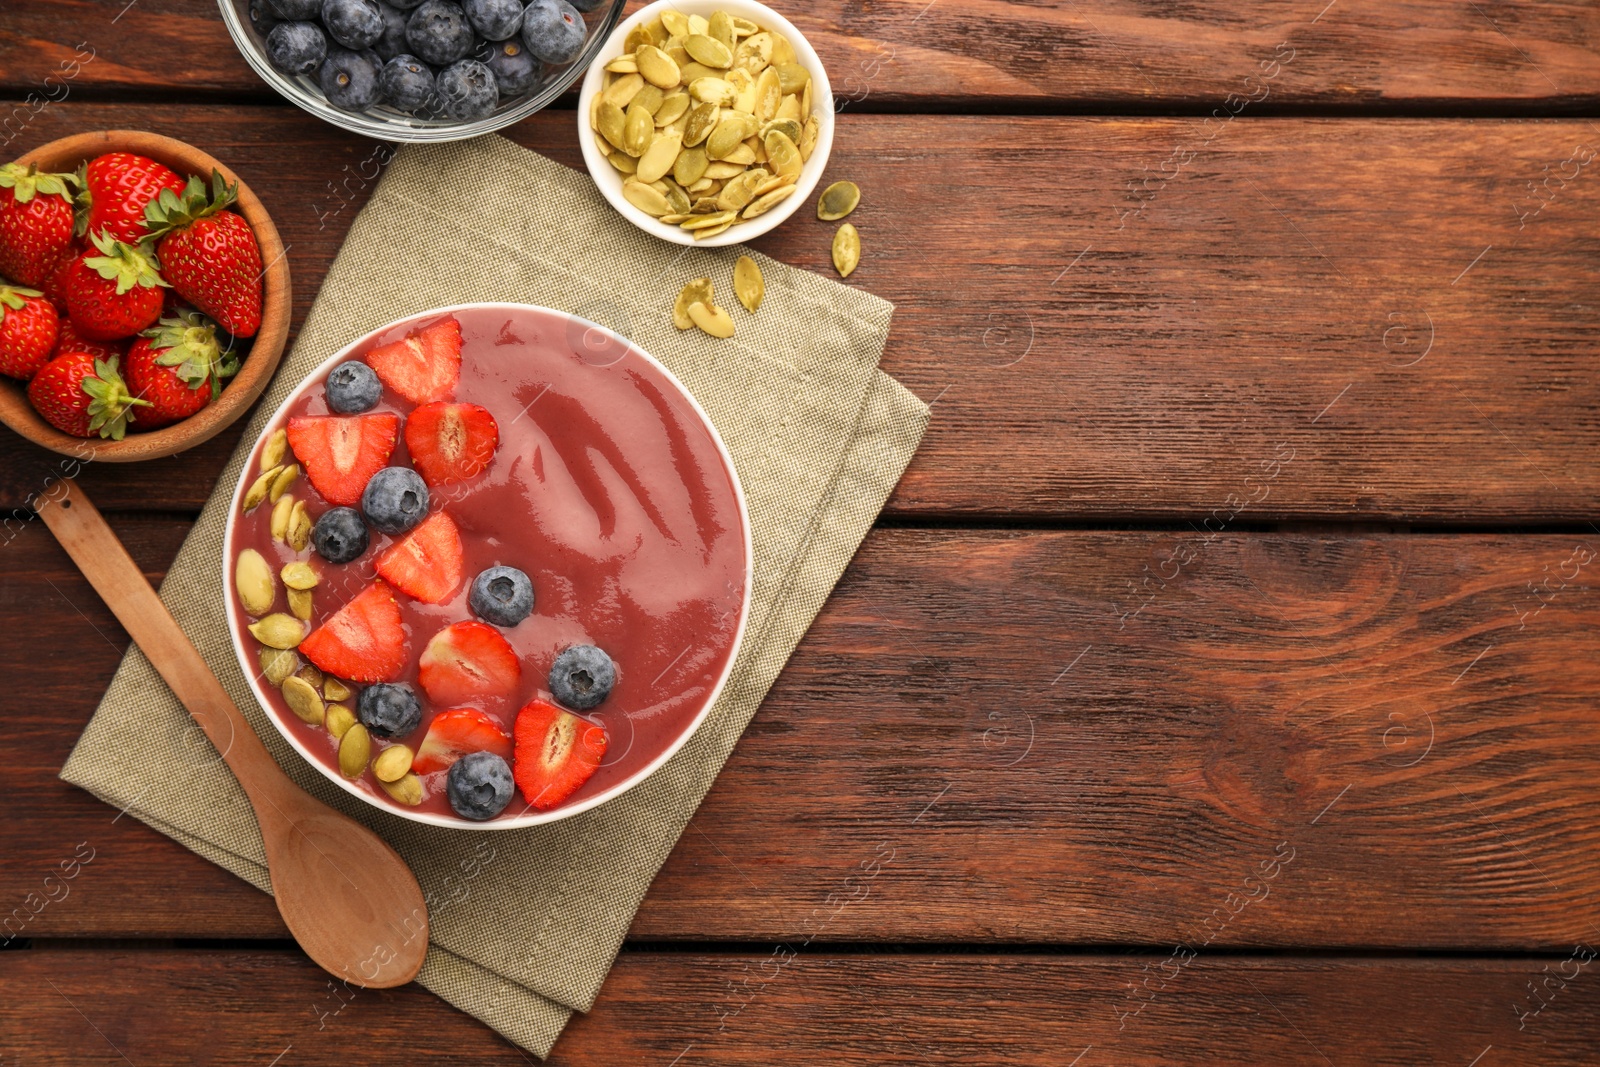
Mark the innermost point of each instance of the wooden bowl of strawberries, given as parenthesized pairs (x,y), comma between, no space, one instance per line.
(144,296)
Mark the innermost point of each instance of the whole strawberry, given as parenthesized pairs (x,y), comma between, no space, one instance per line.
(51,286)
(28,327)
(83,396)
(113,290)
(35,221)
(209,254)
(68,339)
(116,188)
(178,367)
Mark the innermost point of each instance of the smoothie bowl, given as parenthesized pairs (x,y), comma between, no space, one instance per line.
(488,566)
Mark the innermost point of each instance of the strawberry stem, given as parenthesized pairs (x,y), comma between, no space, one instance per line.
(110,404)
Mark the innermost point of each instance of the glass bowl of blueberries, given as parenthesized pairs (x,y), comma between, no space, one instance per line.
(420,70)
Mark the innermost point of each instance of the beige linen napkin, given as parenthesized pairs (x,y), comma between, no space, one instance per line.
(525,924)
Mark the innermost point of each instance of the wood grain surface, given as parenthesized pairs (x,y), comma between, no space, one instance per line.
(1121,54)
(1363,296)
(1042,738)
(63,1006)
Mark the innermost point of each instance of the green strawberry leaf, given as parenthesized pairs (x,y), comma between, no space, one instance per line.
(190,346)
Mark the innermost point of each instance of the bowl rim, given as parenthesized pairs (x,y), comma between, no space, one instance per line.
(258,367)
(365,125)
(526,818)
(610,186)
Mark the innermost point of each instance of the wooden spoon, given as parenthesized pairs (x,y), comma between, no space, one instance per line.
(348,898)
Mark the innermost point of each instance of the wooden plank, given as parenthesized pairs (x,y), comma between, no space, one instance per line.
(1037,738)
(1314,318)
(88,1007)
(1111,53)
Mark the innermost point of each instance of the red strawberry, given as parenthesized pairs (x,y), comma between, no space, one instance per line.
(68,339)
(454,733)
(468,661)
(177,366)
(53,281)
(209,254)
(426,563)
(340,454)
(451,442)
(364,641)
(113,294)
(28,328)
(36,221)
(423,366)
(116,188)
(556,753)
(83,396)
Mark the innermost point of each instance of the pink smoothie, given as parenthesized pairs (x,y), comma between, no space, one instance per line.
(608,490)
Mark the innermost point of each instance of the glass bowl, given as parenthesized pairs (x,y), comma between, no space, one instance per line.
(389,124)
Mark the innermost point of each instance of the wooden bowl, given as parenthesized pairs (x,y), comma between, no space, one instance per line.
(266,348)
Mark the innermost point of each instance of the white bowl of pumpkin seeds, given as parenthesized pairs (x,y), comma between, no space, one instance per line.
(706,122)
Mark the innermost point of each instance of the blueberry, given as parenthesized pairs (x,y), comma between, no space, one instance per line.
(407,83)
(495,20)
(356,24)
(263,16)
(515,69)
(467,90)
(502,595)
(339,535)
(582,677)
(296,47)
(389,709)
(352,386)
(438,32)
(553,30)
(403,5)
(586,5)
(395,500)
(296,10)
(349,79)
(479,785)
(393,42)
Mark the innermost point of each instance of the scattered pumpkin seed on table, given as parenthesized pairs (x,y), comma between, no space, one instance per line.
(696,292)
(748,285)
(711,320)
(837,201)
(846,250)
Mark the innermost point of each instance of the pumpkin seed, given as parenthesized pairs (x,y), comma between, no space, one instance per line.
(721,170)
(676,22)
(808,138)
(676,196)
(283,481)
(277,664)
(712,231)
(711,320)
(334,689)
(650,98)
(792,77)
(837,201)
(612,123)
(259,488)
(298,534)
(637,36)
(273,451)
(738,192)
(393,763)
(713,91)
(407,791)
(279,631)
(698,23)
(788,127)
(253,579)
(674,218)
(767,201)
(696,292)
(703,186)
(783,154)
(623,90)
(693,70)
(805,100)
(657,67)
(300,603)
(777,181)
(742,154)
(701,222)
(355,748)
(701,121)
(744,88)
(645,198)
(690,166)
(311,673)
(673,47)
(624,163)
(743,26)
(789,108)
(729,133)
(706,205)
(673,107)
(303,700)
(748,285)
(624,64)
(638,131)
(278,526)
(659,157)
(720,26)
(782,51)
(339,720)
(846,250)
(754,52)
(708,50)
(768,95)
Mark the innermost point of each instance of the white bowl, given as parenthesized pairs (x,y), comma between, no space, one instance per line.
(610,180)
(594,338)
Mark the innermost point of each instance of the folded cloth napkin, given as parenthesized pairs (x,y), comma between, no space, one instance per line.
(525,923)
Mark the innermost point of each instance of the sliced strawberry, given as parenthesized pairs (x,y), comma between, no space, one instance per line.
(426,563)
(556,753)
(340,453)
(451,442)
(454,734)
(468,661)
(424,365)
(364,641)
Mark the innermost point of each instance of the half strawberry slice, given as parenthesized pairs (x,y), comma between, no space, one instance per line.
(451,442)
(426,563)
(423,366)
(341,453)
(556,753)
(364,641)
(454,734)
(468,661)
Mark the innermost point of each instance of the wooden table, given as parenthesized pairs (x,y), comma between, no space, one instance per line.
(1218,686)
